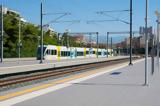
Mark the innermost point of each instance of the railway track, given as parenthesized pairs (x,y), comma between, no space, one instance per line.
(19,79)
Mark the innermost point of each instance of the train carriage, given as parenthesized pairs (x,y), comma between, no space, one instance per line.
(52,52)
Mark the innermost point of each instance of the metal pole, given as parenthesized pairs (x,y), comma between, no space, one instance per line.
(67,43)
(158,44)
(90,40)
(146,45)
(111,47)
(133,45)
(130,33)
(58,39)
(152,54)
(19,40)
(107,43)
(1,33)
(41,21)
(97,44)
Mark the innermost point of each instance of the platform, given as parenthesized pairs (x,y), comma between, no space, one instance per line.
(119,85)
(9,67)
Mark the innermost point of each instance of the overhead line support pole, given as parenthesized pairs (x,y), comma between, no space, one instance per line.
(97,44)
(1,34)
(130,33)
(146,45)
(107,43)
(41,22)
(111,47)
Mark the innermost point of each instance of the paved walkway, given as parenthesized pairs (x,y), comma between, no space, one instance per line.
(25,66)
(30,61)
(122,87)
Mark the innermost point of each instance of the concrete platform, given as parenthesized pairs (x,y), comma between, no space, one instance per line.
(31,65)
(120,85)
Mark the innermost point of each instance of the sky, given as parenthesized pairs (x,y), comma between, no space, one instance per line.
(85,10)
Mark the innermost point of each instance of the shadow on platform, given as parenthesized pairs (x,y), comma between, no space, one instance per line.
(107,84)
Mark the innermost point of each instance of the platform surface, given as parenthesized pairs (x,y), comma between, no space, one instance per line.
(120,87)
(14,66)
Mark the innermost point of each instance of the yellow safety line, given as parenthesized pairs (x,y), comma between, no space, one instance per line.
(10,95)
(40,87)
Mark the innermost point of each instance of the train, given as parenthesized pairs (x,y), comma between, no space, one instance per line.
(53,52)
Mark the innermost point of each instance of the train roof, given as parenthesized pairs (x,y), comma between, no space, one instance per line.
(64,47)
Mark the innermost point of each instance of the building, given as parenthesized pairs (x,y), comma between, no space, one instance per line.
(9,11)
(80,39)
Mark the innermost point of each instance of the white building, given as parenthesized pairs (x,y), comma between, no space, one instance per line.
(8,11)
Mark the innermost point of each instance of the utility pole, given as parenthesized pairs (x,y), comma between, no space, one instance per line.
(58,39)
(97,44)
(41,22)
(111,47)
(107,43)
(90,40)
(130,33)
(19,40)
(1,37)
(158,34)
(146,45)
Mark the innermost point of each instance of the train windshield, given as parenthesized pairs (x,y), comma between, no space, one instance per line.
(39,51)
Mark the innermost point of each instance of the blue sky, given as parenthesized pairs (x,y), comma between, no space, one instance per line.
(84,10)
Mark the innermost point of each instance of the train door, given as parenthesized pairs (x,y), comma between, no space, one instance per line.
(90,52)
(72,53)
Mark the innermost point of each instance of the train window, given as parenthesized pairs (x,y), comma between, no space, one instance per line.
(99,53)
(47,52)
(65,53)
(80,53)
(53,52)
(68,53)
(87,52)
(94,52)
(62,53)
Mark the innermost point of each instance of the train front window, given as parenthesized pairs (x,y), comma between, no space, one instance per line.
(39,51)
